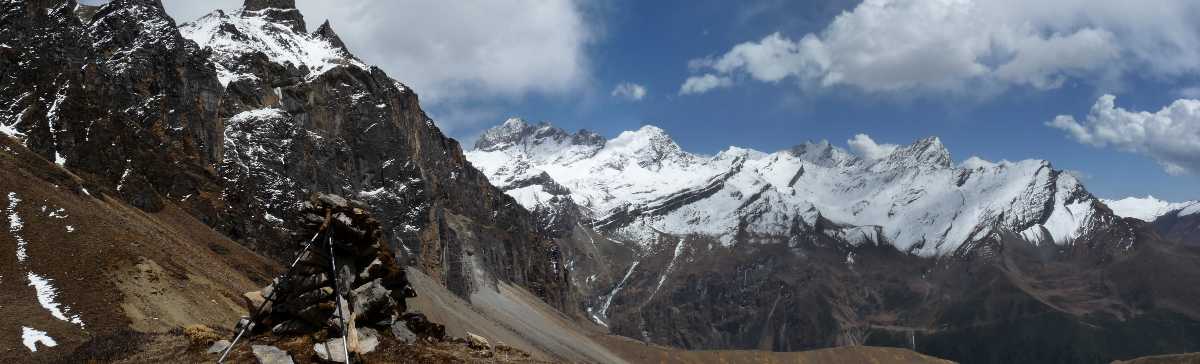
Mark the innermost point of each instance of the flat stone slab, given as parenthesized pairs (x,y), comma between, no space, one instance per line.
(267,354)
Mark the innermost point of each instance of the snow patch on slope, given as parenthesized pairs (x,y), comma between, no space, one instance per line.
(47,296)
(15,225)
(666,272)
(608,300)
(32,337)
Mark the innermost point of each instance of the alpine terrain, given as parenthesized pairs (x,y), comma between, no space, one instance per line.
(155,171)
(160,177)
(241,184)
(811,247)
(1175,220)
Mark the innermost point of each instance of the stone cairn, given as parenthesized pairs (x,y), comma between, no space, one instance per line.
(373,286)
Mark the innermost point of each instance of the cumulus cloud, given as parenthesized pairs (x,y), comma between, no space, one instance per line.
(701,84)
(1171,136)
(956,45)
(867,148)
(630,91)
(1079,175)
(454,51)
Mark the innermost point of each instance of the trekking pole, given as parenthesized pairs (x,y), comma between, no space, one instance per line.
(271,296)
(337,300)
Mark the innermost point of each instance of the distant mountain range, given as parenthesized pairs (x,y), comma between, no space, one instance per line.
(153,172)
(1149,208)
(915,199)
(1178,221)
(814,246)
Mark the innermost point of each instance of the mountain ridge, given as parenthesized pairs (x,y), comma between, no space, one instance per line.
(1150,208)
(814,246)
(1036,200)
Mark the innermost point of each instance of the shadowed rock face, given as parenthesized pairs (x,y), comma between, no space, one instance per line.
(122,100)
(355,131)
(1004,301)
(282,11)
(1184,229)
(255,5)
(236,136)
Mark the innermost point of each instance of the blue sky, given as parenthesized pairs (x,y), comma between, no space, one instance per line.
(987,76)
(650,43)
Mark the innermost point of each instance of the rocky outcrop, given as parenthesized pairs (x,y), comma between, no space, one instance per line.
(218,120)
(280,11)
(320,120)
(122,99)
(368,283)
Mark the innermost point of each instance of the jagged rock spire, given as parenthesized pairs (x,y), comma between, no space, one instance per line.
(516,131)
(281,11)
(256,5)
(326,32)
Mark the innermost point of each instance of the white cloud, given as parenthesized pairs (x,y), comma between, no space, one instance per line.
(1171,136)
(866,147)
(957,45)
(701,84)
(1078,174)
(455,51)
(456,118)
(974,162)
(473,49)
(630,91)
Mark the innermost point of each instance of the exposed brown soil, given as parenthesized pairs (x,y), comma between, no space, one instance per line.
(639,352)
(117,268)
(1192,358)
(176,347)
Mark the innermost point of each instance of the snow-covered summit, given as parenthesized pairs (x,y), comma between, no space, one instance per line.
(1150,208)
(272,29)
(640,183)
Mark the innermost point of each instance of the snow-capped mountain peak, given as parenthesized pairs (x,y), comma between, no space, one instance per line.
(271,28)
(1150,208)
(925,153)
(279,11)
(823,153)
(517,132)
(641,183)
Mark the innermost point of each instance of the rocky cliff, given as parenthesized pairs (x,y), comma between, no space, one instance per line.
(244,112)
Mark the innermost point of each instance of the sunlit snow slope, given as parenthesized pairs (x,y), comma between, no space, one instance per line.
(1150,208)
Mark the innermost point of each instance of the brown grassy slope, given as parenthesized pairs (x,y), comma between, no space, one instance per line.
(120,269)
(1193,358)
(638,352)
